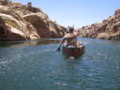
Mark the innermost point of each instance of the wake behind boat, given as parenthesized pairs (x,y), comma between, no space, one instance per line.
(72,51)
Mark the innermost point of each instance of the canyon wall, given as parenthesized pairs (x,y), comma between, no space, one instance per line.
(107,29)
(25,22)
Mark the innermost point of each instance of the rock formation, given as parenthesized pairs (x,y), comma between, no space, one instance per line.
(20,22)
(107,29)
(5,2)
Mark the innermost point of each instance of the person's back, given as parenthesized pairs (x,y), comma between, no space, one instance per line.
(71,38)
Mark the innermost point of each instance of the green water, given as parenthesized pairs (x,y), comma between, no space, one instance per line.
(35,65)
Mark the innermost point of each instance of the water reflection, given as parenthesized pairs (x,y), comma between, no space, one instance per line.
(50,41)
(27,43)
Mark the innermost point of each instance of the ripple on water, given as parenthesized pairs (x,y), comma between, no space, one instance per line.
(41,67)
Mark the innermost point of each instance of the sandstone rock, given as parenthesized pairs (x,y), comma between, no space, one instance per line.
(33,9)
(113,36)
(5,2)
(117,12)
(56,30)
(107,29)
(6,20)
(39,21)
(45,27)
(15,29)
(20,22)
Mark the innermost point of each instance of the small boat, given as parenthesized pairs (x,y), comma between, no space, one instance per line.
(72,51)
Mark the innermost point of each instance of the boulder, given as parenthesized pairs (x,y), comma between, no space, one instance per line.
(16,29)
(117,12)
(5,2)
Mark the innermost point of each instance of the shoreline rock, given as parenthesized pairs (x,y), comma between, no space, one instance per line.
(107,29)
(20,22)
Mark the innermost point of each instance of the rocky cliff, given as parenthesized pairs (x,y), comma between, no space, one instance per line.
(107,29)
(24,22)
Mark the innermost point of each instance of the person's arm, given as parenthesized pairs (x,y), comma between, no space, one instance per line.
(62,41)
(61,44)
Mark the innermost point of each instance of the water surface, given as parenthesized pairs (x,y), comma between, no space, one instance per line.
(36,65)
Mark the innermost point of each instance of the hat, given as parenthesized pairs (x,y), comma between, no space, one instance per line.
(71,28)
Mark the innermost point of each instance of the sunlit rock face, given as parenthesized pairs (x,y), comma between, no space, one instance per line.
(24,22)
(14,29)
(46,28)
(107,29)
(40,22)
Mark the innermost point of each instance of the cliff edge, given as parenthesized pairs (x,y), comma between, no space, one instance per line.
(107,29)
(25,22)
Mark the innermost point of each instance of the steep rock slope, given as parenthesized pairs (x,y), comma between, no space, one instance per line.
(107,29)
(20,22)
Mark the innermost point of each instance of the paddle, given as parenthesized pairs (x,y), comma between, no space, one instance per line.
(58,49)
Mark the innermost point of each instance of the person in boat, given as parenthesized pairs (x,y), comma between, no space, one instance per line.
(71,38)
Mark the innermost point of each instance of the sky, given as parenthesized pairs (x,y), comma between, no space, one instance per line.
(75,12)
